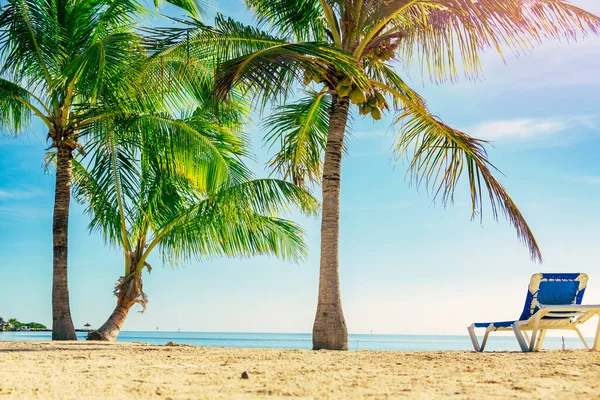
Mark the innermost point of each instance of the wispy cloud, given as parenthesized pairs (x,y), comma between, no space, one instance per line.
(19,194)
(380,206)
(18,213)
(593,180)
(528,129)
(369,135)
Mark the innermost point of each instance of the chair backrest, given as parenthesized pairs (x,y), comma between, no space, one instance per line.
(553,289)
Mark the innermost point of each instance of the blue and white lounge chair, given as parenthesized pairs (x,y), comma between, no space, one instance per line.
(553,302)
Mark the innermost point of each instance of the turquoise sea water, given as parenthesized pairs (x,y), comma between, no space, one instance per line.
(303,340)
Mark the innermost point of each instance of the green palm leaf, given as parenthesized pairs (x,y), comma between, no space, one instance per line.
(238,221)
(303,18)
(299,132)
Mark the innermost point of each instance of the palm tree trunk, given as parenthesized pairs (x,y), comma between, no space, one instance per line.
(111,328)
(329,330)
(62,324)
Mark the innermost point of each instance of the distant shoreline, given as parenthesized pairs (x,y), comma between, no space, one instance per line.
(43,330)
(304,340)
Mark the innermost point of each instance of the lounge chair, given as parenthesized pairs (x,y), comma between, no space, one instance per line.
(553,302)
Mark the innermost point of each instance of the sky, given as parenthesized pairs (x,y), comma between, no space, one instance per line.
(408,265)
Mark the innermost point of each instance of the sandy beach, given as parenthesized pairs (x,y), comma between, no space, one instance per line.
(82,370)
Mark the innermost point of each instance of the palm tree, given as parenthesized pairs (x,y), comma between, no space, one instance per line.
(59,61)
(151,183)
(438,36)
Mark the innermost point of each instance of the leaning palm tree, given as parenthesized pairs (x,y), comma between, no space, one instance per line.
(180,187)
(440,37)
(60,60)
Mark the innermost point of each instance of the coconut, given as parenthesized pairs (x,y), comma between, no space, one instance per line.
(376,113)
(357,96)
(343,91)
(380,99)
(373,102)
(346,81)
(364,109)
(307,77)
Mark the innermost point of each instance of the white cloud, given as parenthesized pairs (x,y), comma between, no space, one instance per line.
(368,135)
(19,194)
(594,180)
(380,206)
(527,129)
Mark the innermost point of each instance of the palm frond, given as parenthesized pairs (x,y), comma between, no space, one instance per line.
(195,8)
(302,18)
(185,150)
(273,71)
(103,67)
(216,235)
(299,132)
(269,197)
(238,221)
(439,155)
(28,45)
(15,106)
(444,36)
(108,179)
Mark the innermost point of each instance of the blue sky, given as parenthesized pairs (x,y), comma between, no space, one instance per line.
(407,265)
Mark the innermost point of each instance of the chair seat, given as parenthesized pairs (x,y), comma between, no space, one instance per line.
(500,324)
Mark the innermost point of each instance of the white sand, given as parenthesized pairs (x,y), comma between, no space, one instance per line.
(68,370)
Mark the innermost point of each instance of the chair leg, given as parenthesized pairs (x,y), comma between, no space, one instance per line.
(534,334)
(596,346)
(471,330)
(485,337)
(540,341)
(587,347)
(519,335)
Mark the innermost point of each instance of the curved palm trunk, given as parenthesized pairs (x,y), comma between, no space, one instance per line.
(111,328)
(329,330)
(62,324)
(129,292)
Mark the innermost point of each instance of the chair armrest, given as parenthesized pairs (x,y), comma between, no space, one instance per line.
(570,307)
(575,309)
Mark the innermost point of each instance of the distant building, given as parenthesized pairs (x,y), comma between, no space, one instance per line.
(5,325)
(87,327)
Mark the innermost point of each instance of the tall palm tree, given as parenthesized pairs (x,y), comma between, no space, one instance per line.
(151,183)
(440,37)
(59,61)
(56,58)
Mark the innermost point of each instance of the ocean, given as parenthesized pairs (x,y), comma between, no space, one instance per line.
(303,340)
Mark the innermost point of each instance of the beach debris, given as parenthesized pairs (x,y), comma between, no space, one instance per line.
(173,344)
(245,375)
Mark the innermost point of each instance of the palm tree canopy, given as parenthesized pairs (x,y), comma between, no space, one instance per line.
(440,37)
(148,185)
(59,59)
(57,54)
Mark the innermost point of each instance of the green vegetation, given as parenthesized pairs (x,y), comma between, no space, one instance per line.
(14,325)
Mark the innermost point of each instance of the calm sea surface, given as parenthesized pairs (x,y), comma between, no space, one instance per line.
(303,340)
